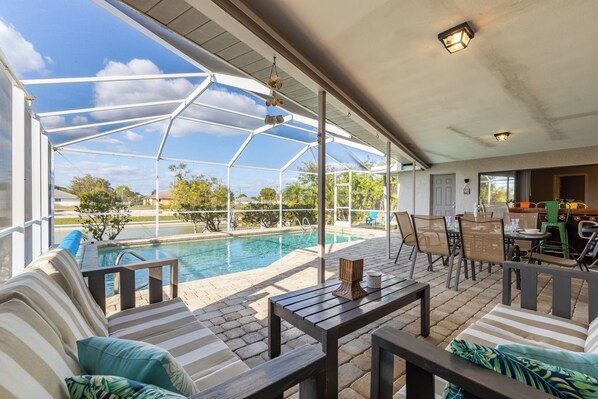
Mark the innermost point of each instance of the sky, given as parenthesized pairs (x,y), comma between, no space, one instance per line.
(77,38)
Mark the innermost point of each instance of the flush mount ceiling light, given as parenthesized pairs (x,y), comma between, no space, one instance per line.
(456,38)
(502,136)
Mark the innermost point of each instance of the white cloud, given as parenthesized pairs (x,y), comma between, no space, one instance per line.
(80,120)
(115,93)
(132,136)
(21,54)
(50,122)
(71,165)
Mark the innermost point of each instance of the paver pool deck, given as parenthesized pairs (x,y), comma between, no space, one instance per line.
(235,306)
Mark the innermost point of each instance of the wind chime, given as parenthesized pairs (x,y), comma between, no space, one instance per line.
(274,82)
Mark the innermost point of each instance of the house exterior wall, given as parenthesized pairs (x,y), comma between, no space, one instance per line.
(67,202)
(470,170)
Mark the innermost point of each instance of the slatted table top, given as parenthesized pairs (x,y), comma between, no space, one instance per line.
(317,307)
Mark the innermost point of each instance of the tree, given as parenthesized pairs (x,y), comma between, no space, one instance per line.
(100,214)
(125,194)
(87,184)
(267,215)
(268,194)
(196,197)
(180,171)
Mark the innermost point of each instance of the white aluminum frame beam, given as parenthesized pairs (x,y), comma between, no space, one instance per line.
(18,179)
(330,128)
(109,132)
(359,146)
(203,86)
(188,118)
(296,157)
(230,111)
(45,194)
(36,187)
(108,108)
(99,124)
(193,161)
(242,83)
(251,136)
(97,79)
(321,186)
(114,154)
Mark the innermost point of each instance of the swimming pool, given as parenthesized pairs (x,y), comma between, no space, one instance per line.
(208,258)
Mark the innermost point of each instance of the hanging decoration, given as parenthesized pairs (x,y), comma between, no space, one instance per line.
(274,82)
(466,188)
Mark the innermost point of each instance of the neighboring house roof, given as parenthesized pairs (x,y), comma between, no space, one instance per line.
(243,200)
(59,194)
(164,195)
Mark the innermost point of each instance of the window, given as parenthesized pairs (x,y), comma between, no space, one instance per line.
(497,187)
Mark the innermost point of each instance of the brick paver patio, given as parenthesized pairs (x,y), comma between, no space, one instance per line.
(235,306)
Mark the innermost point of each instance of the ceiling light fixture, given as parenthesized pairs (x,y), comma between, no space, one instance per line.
(502,136)
(456,38)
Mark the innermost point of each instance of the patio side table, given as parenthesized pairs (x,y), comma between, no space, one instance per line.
(325,317)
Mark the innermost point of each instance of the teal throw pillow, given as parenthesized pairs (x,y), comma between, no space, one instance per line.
(135,360)
(557,381)
(583,362)
(112,387)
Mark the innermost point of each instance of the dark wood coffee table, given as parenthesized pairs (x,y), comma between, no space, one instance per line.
(327,318)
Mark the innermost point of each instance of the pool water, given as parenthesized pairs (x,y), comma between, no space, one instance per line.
(208,258)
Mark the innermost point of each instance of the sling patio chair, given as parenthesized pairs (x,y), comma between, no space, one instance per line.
(482,241)
(499,211)
(581,260)
(479,216)
(431,238)
(527,220)
(407,233)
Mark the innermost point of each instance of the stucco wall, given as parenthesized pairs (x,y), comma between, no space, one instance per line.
(471,169)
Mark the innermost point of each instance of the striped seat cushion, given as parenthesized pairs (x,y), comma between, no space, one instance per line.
(207,359)
(591,344)
(145,321)
(528,327)
(33,361)
(506,324)
(60,264)
(36,289)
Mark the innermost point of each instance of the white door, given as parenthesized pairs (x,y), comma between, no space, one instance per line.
(443,195)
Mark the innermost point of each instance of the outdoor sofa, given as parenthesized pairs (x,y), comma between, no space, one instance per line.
(46,309)
(429,367)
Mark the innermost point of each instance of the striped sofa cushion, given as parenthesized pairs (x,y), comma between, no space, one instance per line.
(33,361)
(145,321)
(506,324)
(591,344)
(207,359)
(63,267)
(42,294)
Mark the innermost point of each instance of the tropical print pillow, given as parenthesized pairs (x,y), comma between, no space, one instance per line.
(112,387)
(554,380)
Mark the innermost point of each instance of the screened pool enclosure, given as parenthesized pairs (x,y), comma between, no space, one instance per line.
(215,119)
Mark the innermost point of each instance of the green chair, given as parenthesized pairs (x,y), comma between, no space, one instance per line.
(552,221)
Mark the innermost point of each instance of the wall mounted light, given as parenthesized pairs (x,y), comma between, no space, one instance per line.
(503,136)
(456,38)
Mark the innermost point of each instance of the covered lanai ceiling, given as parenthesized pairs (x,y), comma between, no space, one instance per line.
(530,70)
(186,30)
